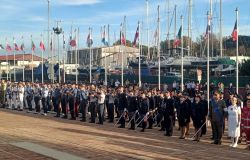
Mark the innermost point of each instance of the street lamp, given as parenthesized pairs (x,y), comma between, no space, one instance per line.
(58,31)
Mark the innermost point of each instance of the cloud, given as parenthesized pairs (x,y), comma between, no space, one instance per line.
(77,2)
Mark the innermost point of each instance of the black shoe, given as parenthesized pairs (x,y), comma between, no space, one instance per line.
(83,120)
(142,130)
(162,129)
(100,123)
(91,122)
(73,118)
(150,127)
(179,137)
(121,127)
(65,117)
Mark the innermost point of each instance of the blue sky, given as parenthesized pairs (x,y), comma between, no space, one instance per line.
(25,17)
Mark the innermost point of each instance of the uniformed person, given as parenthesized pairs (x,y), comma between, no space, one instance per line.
(122,106)
(169,114)
(143,111)
(132,109)
(83,102)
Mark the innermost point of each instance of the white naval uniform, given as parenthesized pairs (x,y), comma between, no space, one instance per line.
(21,97)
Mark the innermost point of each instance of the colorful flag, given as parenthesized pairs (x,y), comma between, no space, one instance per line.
(235,33)
(33,46)
(177,40)
(1,46)
(22,47)
(8,47)
(42,47)
(89,40)
(136,36)
(16,46)
(122,37)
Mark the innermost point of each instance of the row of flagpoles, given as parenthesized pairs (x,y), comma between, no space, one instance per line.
(106,42)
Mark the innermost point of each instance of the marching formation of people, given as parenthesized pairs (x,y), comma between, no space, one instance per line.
(134,107)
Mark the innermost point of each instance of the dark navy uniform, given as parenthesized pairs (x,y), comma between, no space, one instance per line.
(132,109)
(143,110)
(169,116)
(64,102)
(122,106)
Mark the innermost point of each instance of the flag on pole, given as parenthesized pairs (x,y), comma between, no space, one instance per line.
(8,47)
(122,37)
(1,47)
(16,46)
(104,40)
(72,42)
(33,46)
(234,33)
(22,47)
(89,40)
(208,29)
(177,40)
(136,36)
(42,47)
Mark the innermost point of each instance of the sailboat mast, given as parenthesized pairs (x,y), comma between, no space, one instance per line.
(189,27)
(211,27)
(168,26)
(221,42)
(149,57)
(158,49)
(175,25)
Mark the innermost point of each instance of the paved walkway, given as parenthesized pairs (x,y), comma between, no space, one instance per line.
(35,137)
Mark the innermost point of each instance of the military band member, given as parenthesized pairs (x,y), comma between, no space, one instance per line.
(144,111)
(122,106)
(92,105)
(21,96)
(45,95)
(29,98)
(65,101)
(58,100)
(111,105)
(132,109)
(37,98)
(100,107)
(169,114)
(9,96)
(83,94)
(151,108)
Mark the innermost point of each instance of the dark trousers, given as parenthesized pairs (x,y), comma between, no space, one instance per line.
(72,108)
(44,103)
(54,104)
(37,103)
(84,110)
(169,125)
(143,123)
(100,111)
(122,119)
(132,119)
(160,120)
(111,112)
(150,121)
(29,99)
(64,108)
(217,131)
(92,108)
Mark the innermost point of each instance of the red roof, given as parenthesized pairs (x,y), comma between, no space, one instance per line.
(19,57)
